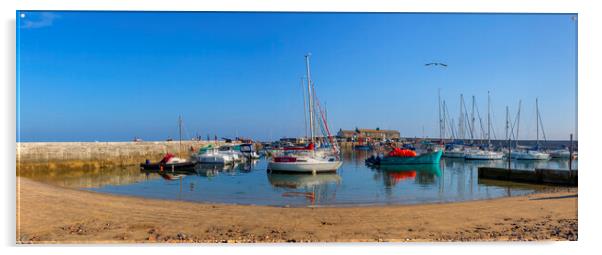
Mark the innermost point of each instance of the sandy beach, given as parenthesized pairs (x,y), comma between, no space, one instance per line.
(52,214)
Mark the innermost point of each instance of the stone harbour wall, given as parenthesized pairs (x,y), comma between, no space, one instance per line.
(57,155)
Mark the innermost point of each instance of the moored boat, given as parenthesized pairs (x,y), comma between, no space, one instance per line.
(168,163)
(480,154)
(309,159)
(233,151)
(211,155)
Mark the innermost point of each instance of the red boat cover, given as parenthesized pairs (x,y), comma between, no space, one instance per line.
(309,147)
(167,157)
(397,152)
(285,159)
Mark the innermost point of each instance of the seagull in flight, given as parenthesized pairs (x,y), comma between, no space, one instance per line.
(436,64)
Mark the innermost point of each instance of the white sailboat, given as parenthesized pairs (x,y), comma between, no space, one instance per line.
(308,159)
(479,154)
(484,154)
(530,154)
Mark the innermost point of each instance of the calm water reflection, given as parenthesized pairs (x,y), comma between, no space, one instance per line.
(354,183)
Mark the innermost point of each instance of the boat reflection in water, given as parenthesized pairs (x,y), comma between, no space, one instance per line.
(314,187)
(201,170)
(423,174)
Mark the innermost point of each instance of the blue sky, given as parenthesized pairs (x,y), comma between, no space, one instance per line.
(112,76)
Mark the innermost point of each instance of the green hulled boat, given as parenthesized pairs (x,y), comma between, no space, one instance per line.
(425,158)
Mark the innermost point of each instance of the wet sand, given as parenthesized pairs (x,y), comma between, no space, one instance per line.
(52,214)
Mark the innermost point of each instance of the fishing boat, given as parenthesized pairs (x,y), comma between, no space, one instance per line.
(170,162)
(212,155)
(309,159)
(425,158)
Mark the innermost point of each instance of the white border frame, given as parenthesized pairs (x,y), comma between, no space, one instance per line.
(589,103)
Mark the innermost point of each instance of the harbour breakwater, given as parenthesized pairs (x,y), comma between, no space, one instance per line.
(36,156)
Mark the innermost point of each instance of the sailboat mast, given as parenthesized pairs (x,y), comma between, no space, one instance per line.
(488,119)
(304,108)
(440,120)
(461,119)
(537,122)
(518,120)
(180,131)
(444,118)
(472,121)
(310,97)
(507,122)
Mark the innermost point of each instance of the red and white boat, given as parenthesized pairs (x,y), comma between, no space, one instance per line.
(309,159)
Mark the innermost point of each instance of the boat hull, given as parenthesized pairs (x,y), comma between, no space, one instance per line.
(297,167)
(168,167)
(484,156)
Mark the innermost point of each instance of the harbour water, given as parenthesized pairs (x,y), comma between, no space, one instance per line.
(353,184)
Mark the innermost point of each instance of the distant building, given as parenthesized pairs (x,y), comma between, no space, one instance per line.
(367,134)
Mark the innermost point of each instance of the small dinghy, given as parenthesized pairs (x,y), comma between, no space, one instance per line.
(169,163)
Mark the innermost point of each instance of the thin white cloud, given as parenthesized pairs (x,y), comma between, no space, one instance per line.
(43,19)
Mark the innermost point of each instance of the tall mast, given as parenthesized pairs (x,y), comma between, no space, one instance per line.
(180,131)
(310,97)
(488,119)
(440,120)
(444,118)
(472,119)
(507,122)
(461,119)
(518,120)
(537,122)
(304,108)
